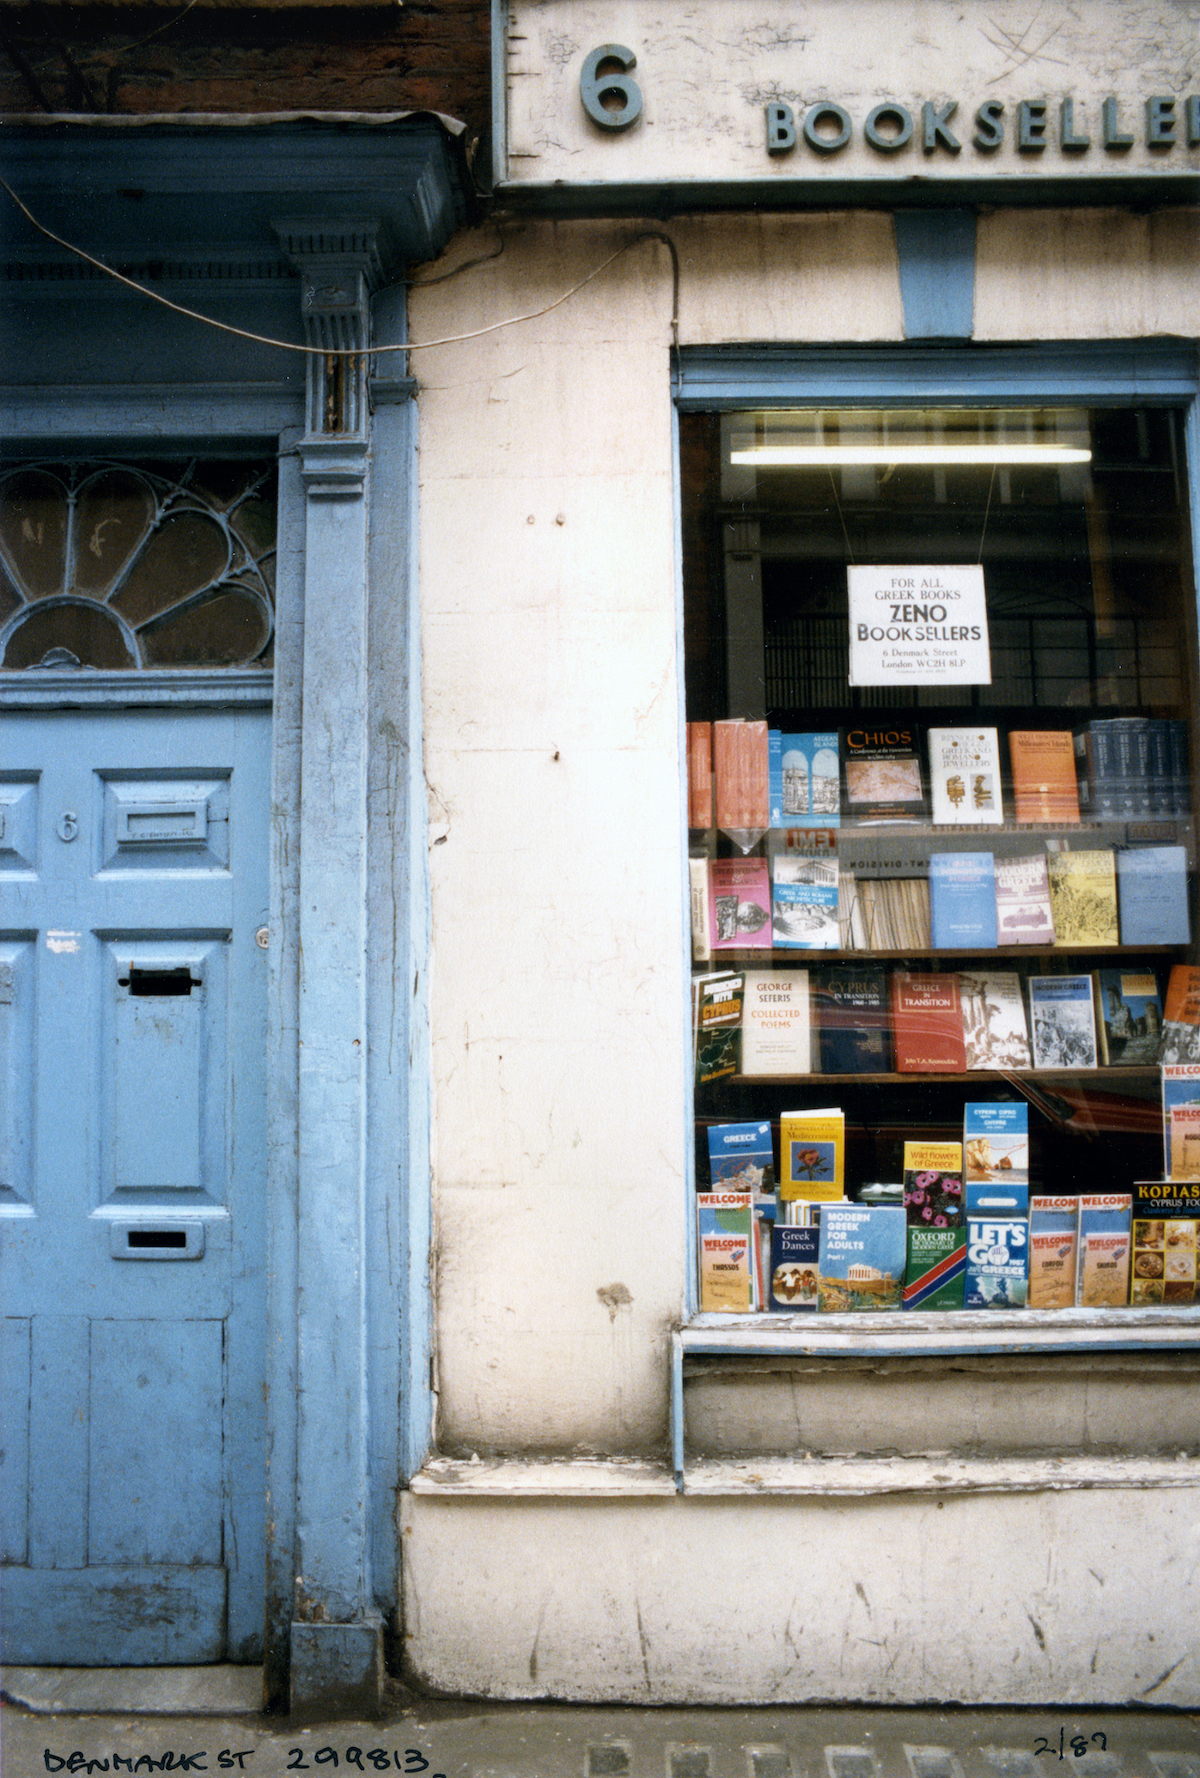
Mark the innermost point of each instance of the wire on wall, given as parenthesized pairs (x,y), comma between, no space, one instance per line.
(263,339)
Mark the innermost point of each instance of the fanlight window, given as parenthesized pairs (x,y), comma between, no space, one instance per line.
(128,566)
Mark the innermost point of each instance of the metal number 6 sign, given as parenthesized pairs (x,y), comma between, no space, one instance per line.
(611,98)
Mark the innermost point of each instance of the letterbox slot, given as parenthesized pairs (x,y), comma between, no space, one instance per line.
(162,983)
(146,1240)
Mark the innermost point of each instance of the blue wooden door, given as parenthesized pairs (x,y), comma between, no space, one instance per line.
(133,892)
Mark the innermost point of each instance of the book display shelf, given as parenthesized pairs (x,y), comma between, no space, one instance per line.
(941,694)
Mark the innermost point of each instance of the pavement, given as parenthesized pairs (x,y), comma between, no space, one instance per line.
(75,1720)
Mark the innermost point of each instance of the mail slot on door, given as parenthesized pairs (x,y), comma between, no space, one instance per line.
(163,824)
(156,1240)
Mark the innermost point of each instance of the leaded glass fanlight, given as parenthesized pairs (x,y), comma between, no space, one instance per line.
(127,566)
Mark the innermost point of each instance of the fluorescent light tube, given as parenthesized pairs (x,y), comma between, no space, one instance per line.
(827,456)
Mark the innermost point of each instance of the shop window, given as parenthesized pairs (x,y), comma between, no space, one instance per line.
(127,566)
(941,688)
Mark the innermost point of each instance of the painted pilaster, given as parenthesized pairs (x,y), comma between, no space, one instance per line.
(336,1639)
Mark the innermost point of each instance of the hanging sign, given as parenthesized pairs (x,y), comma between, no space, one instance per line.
(918,626)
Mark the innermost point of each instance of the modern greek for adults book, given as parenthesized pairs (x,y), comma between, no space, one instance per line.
(863,1255)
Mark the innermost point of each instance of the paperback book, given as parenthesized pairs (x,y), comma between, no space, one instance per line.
(776,1035)
(1166,1244)
(740,1159)
(1181,1120)
(863,1255)
(812,1146)
(1043,776)
(882,779)
(1063,1021)
(997,1263)
(995,1034)
(936,1268)
(964,777)
(698,891)
(996,1143)
(725,1226)
(1053,1236)
(1023,914)
(740,793)
(1181,1015)
(1102,1278)
(739,904)
(804,780)
(933,1184)
(962,901)
(717,1019)
(795,1267)
(1129,1016)
(1083,897)
(804,897)
(927,1028)
(700,774)
(1152,888)
(850,1013)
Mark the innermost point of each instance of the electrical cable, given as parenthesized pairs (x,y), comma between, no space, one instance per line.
(263,339)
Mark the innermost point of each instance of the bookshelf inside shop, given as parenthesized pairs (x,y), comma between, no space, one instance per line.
(941,695)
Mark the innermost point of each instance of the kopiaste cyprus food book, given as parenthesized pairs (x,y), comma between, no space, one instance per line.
(1166,1243)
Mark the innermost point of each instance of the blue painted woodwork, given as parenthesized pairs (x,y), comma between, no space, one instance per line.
(289,228)
(936,251)
(136,1393)
(1120,373)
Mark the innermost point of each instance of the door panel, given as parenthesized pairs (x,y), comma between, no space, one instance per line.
(132,1158)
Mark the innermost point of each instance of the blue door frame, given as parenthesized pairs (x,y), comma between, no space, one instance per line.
(348,1310)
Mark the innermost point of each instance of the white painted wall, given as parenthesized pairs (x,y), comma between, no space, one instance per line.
(548,582)
(893,1599)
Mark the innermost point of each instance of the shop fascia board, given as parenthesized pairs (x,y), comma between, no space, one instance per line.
(662,200)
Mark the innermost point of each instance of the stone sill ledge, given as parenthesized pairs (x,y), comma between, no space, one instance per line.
(566,1478)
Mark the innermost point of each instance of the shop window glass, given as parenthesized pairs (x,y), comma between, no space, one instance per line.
(941,667)
(129,566)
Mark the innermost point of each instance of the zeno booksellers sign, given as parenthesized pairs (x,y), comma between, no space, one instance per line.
(864,93)
(918,626)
